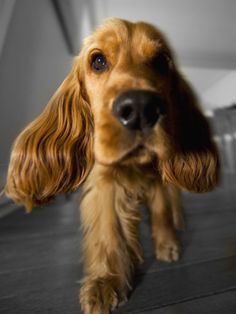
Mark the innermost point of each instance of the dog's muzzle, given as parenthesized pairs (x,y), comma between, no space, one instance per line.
(138,109)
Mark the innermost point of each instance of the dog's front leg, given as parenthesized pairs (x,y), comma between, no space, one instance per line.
(160,202)
(177,208)
(110,246)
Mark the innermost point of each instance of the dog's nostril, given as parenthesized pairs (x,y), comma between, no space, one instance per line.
(127,113)
(137,109)
(150,115)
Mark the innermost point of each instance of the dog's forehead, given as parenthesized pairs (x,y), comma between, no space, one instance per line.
(115,32)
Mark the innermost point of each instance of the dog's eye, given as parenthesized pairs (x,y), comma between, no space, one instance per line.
(99,62)
(161,63)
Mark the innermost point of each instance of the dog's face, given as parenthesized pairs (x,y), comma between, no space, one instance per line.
(124,101)
(127,71)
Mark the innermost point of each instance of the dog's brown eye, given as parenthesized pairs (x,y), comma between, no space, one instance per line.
(161,63)
(99,62)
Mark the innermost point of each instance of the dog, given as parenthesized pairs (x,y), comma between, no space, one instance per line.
(126,123)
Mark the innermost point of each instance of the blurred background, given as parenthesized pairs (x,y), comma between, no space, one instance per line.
(39,38)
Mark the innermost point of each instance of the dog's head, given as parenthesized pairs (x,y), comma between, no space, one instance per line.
(123,101)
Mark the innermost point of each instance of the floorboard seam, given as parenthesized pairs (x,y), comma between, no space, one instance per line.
(183,300)
(187,264)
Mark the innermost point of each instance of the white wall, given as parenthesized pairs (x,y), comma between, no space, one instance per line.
(222,93)
(6,8)
(215,87)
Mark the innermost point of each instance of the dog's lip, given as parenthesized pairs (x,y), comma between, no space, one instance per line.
(135,150)
(128,154)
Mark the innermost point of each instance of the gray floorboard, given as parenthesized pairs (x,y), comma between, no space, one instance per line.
(40,260)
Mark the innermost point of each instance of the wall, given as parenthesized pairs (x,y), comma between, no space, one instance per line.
(223,92)
(215,87)
(34,61)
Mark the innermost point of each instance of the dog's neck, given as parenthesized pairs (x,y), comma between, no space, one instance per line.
(134,179)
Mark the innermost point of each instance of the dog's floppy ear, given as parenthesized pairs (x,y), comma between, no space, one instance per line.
(53,154)
(194,162)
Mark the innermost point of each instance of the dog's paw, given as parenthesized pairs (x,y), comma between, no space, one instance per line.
(100,296)
(168,250)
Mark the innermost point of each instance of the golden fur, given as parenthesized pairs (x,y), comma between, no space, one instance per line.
(77,137)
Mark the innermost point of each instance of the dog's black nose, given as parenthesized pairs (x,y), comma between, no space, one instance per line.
(138,109)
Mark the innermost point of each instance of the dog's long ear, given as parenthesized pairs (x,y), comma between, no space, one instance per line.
(194,162)
(53,154)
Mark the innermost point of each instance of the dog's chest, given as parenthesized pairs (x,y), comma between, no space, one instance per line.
(136,182)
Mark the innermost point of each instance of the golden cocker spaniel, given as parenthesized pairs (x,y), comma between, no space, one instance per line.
(126,121)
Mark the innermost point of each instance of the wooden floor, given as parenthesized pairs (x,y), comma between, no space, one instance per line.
(40,265)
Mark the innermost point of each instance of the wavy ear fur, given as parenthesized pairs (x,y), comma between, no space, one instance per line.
(194,163)
(53,154)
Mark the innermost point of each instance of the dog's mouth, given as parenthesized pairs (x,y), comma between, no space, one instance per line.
(126,147)
(138,150)
(139,155)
